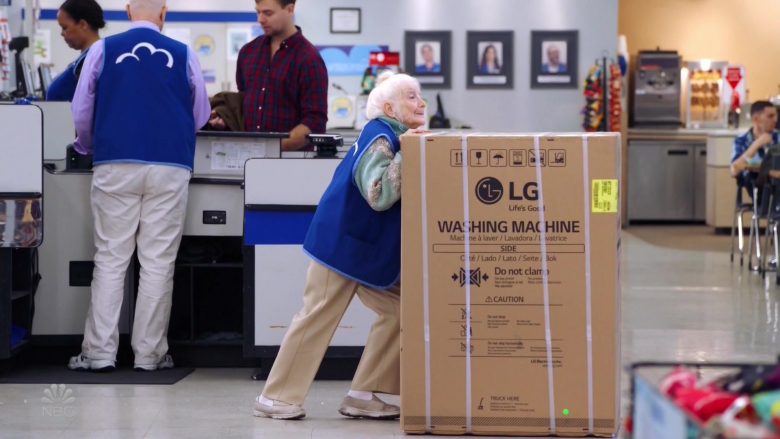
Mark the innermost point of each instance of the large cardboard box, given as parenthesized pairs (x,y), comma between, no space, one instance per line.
(510,265)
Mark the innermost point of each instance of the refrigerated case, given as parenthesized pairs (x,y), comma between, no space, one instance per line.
(667,181)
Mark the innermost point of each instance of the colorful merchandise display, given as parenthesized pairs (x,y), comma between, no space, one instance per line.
(602,91)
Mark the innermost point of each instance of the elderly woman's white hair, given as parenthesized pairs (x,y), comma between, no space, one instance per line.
(388,89)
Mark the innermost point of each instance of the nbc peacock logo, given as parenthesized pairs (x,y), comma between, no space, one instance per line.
(58,400)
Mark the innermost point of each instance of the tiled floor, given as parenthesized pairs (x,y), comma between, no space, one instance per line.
(682,300)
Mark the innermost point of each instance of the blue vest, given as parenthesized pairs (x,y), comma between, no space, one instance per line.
(346,234)
(143,104)
(63,87)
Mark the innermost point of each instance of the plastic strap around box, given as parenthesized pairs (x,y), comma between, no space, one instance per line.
(426,288)
(467,255)
(545,285)
(588,287)
(618,353)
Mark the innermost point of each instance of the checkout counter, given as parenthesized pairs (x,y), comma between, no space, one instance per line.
(278,211)
(231,288)
(21,225)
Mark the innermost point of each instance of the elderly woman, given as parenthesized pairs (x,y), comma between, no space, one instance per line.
(81,21)
(355,244)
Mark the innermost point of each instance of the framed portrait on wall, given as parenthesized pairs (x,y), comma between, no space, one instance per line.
(554,56)
(489,59)
(428,57)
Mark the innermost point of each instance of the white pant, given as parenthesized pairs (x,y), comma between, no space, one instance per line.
(143,204)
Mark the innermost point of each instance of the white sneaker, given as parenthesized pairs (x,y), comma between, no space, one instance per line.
(83,363)
(166,362)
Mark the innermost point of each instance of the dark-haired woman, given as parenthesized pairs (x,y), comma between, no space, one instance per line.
(80,21)
(490,64)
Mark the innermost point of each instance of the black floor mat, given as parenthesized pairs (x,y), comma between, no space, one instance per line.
(56,374)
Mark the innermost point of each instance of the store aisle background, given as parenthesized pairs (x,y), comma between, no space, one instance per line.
(682,300)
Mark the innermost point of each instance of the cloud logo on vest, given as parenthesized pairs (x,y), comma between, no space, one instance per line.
(152,50)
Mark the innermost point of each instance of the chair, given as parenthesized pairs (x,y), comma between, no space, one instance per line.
(769,209)
(740,209)
(772,188)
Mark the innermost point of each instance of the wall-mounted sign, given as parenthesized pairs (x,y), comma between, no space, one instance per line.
(209,76)
(341,112)
(42,46)
(348,60)
(204,45)
(237,37)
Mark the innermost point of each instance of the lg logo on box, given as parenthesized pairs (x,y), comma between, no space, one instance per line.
(490,191)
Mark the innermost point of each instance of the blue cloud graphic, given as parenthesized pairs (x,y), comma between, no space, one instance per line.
(347,60)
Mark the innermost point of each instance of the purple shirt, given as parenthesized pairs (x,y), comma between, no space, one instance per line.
(83,106)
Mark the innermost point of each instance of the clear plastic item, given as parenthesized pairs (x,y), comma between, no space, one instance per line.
(21,223)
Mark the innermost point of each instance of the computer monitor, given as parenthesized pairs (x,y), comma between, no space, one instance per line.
(29,86)
(23,75)
(44,72)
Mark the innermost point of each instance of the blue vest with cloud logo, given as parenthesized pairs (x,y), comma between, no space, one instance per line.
(143,103)
(346,234)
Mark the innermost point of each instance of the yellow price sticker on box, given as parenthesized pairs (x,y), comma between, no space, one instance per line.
(605,196)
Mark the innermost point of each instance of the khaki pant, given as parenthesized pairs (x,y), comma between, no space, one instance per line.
(325,300)
(144,205)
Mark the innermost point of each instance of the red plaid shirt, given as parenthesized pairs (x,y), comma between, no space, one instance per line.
(283,92)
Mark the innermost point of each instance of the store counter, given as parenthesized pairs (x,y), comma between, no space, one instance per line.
(668,171)
(721,186)
(280,200)
(210,251)
(212,304)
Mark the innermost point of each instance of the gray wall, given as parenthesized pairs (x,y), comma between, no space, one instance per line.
(521,109)
(384,22)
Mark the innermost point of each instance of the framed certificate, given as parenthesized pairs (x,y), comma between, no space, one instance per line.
(345,20)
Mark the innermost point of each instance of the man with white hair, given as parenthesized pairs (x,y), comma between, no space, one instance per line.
(138,104)
(355,244)
(554,63)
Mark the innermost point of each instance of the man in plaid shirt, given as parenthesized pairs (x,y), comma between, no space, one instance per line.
(283,78)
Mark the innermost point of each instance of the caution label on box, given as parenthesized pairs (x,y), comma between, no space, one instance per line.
(605,196)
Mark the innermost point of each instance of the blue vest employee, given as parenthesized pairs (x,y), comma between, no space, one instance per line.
(139,101)
(355,243)
(63,86)
(80,21)
(347,235)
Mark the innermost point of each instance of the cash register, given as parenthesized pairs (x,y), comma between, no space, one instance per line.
(326,145)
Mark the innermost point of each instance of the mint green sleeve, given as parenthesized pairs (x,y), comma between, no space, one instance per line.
(378,175)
